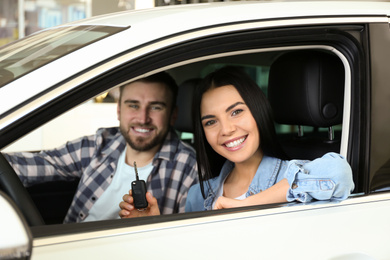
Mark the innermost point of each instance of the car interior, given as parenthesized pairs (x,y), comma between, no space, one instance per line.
(305,89)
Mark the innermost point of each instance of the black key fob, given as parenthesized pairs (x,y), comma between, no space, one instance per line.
(139,194)
(138,188)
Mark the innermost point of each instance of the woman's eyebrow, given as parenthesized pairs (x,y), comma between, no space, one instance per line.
(234,105)
(227,110)
(206,117)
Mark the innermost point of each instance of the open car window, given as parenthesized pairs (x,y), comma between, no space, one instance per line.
(53,199)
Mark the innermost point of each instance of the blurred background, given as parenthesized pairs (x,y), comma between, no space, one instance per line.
(20,18)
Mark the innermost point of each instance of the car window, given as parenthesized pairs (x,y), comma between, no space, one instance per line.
(100,111)
(41,48)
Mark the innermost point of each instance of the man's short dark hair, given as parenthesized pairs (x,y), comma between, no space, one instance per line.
(161,77)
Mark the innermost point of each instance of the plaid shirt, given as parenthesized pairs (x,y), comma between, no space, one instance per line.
(94,159)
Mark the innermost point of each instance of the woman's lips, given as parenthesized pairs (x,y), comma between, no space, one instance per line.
(235,144)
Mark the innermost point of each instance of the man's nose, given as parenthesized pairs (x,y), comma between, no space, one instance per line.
(144,116)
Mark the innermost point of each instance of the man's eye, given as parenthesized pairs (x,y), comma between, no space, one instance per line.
(236,112)
(156,108)
(133,106)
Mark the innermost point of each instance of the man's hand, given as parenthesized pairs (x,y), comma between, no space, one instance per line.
(129,211)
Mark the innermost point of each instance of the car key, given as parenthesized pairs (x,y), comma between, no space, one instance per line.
(139,191)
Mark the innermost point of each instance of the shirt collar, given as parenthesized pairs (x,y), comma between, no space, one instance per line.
(169,147)
(110,141)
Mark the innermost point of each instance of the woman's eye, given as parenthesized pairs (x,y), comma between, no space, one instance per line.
(236,112)
(210,122)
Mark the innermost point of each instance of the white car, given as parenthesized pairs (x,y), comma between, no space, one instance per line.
(332,55)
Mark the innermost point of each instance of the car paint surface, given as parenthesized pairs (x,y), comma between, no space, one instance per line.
(322,231)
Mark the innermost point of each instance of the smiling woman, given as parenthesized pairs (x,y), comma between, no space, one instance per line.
(234,127)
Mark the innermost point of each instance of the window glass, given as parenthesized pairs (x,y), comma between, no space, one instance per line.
(39,49)
(379,106)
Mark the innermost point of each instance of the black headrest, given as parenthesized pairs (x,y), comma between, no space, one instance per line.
(184,122)
(307,88)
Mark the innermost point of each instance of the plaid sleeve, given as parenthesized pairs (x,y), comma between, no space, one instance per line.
(63,163)
(173,177)
(190,178)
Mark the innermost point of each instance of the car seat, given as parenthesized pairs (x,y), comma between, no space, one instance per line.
(306,88)
(184,122)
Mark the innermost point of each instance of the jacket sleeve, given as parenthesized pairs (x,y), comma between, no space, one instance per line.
(325,178)
(195,201)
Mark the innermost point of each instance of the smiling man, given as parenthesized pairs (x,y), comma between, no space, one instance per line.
(104,162)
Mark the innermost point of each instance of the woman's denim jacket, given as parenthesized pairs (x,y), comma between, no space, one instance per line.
(325,178)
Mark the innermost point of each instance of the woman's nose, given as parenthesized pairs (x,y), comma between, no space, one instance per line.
(227,127)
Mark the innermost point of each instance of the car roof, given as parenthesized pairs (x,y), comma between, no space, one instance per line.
(196,15)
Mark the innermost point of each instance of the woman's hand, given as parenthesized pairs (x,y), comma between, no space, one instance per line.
(129,211)
(225,203)
(275,194)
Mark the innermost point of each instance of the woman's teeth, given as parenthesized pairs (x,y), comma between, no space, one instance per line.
(235,143)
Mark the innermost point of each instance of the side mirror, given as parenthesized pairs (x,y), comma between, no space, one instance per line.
(15,235)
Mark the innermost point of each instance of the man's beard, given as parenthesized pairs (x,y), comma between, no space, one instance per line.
(140,144)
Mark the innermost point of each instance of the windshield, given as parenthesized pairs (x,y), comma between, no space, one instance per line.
(27,54)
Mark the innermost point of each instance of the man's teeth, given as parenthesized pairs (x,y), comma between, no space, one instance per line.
(142,130)
(235,143)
